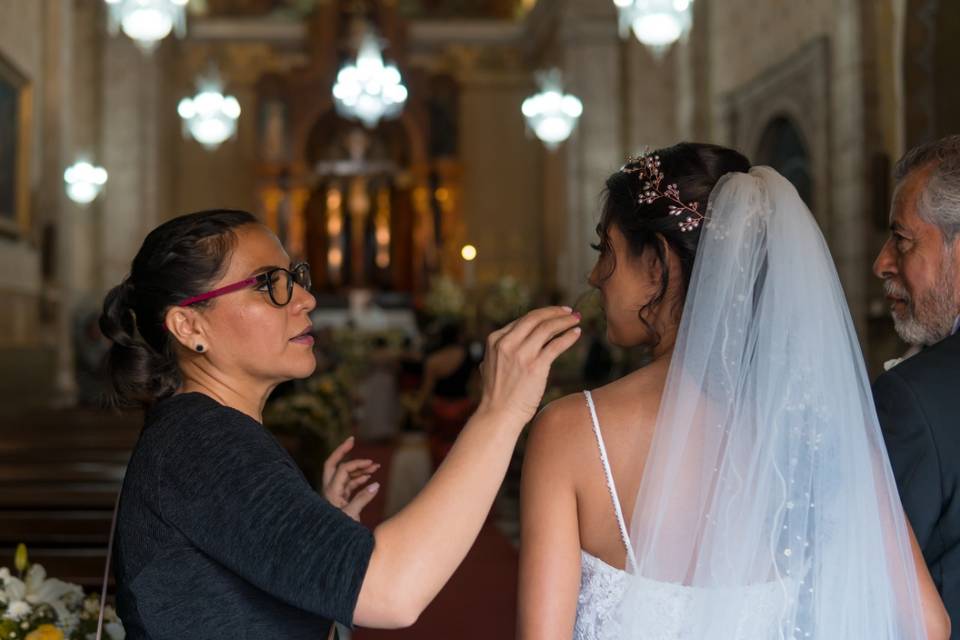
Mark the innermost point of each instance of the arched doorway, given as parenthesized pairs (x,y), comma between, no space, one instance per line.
(783,148)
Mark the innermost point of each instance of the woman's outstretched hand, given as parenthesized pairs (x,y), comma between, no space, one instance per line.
(341,480)
(518,360)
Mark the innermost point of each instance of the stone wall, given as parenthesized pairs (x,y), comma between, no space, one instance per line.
(757,72)
(48,272)
(747,37)
(501,198)
(224,177)
(21,44)
(95,97)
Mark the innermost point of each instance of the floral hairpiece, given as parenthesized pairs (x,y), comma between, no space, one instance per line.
(647,168)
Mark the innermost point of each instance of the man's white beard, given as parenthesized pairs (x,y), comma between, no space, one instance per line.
(930,318)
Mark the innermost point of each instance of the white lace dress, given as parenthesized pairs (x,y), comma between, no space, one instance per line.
(667,605)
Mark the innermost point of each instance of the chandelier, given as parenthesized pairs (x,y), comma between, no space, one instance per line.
(655,23)
(552,114)
(148,22)
(84,181)
(210,117)
(366,89)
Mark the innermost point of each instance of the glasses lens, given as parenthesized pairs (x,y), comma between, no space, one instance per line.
(301,275)
(281,286)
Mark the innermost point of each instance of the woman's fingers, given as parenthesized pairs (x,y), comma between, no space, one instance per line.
(547,331)
(357,466)
(507,341)
(526,325)
(330,464)
(361,500)
(355,484)
(495,336)
(365,470)
(516,370)
(558,345)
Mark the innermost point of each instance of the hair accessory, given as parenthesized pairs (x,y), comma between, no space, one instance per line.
(199,348)
(647,168)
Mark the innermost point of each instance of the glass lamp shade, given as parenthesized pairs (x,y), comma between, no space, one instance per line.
(147,22)
(210,117)
(655,23)
(366,89)
(84,181)
(551,114)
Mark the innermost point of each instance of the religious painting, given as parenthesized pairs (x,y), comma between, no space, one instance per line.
(15,116)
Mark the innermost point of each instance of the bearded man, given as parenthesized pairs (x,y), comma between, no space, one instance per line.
(918,399)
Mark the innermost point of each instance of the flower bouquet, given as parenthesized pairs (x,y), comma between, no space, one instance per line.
(35,607)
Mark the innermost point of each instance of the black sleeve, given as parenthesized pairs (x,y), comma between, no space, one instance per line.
(913,453)
(238,498)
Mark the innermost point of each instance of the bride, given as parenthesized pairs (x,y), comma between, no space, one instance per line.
(737,487)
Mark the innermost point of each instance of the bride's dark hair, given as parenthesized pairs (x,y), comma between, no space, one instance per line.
(695,169)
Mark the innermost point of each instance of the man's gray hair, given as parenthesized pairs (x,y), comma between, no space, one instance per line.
(940,198)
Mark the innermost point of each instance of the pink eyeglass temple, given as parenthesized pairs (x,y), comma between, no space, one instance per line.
(217,292)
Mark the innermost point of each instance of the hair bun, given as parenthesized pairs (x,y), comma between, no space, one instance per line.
(118,319)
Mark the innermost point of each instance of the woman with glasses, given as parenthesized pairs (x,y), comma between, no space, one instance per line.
(218,533)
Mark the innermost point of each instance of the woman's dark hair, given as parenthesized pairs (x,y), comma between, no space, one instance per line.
(179,259)
(695,169)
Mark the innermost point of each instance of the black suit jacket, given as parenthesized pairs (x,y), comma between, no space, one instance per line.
(918,403)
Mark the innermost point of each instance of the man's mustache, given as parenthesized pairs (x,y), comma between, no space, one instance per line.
(895,290)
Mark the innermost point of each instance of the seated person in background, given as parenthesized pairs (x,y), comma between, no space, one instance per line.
(444,395)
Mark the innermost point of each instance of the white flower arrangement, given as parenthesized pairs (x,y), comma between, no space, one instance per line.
(445,299)
(35,607)
(507,300)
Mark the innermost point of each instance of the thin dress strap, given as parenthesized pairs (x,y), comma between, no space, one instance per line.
(624,536)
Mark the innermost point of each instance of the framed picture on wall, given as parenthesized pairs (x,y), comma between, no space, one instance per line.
(15,128)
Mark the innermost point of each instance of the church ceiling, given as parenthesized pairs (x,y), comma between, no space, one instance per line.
(410,9)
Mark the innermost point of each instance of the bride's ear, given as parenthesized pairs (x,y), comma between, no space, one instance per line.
(670,262)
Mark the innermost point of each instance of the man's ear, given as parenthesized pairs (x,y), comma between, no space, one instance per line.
(185,326)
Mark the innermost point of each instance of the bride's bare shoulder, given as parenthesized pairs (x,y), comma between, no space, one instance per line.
(560,427)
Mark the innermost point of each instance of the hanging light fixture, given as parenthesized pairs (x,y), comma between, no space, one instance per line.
(655,23)
(552,114)
(84,181)
(210,116)
(147,22)
(368,90)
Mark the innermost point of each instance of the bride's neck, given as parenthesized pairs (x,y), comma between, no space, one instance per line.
(664,348)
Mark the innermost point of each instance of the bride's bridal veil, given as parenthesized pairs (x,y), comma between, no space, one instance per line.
(767,500)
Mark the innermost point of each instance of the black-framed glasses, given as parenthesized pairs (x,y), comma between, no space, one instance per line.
(278,283)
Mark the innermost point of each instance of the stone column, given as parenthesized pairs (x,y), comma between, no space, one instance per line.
(57,121)
(850,218)
(85,112)
(589,47)
(131,142)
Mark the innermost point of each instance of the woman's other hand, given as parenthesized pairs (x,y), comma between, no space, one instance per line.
(518,360)
(342,480)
